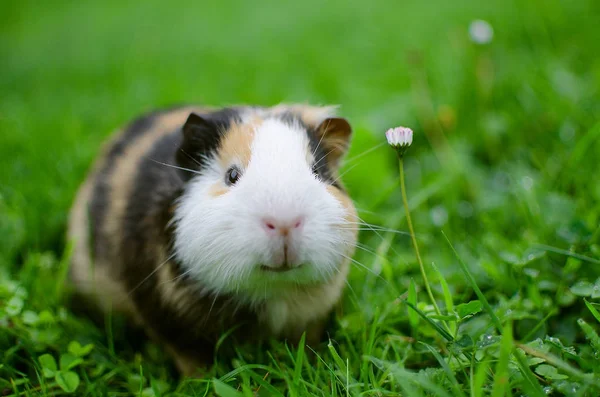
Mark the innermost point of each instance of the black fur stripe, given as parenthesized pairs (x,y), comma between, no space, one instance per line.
(202,136)
(101,192)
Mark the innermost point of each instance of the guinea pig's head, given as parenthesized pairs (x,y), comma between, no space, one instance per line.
(263,209)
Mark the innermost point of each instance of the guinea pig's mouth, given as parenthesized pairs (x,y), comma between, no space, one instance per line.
(279,269)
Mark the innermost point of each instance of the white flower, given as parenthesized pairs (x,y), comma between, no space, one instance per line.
(399,137)
(481,32)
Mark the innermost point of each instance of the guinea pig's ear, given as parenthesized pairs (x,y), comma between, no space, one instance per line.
(334,134)
(201,136)
(195,126)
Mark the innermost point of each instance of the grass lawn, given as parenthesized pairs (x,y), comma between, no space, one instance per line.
(503,181)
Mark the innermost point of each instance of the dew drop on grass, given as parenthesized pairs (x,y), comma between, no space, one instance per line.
(439,216)
(548,390)
(553,339)
(533,273)
(487,340)
(527,182)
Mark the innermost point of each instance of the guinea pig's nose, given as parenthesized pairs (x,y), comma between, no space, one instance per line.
(282,227)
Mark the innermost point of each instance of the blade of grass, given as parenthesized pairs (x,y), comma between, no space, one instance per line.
(413,318)
(501,375)
(531,385)
(299,360)
(408,380)
(263,384)
(414,237)
(531,382)
(435,325)
(555,361)
(538,326)
(479,379)
(471,279)
(583,145)
(592,309)
(247,367)
(63,271)
(343,367)
(567,253)
(455,385)
(369,338)
(336,358)
(224,390)
(109,332)
(447,298)
(590,334)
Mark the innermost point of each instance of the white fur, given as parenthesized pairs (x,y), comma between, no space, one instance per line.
(222,240)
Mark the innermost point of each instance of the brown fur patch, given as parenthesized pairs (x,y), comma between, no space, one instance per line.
(351,215)
(335,135)
(217,190)
(171,290)
(236,147)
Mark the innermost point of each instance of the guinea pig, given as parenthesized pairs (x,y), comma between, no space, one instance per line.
(195,222)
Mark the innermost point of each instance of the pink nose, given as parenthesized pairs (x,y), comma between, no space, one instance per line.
(282,227)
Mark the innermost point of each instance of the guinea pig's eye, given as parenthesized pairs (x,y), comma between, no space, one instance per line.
(232,176)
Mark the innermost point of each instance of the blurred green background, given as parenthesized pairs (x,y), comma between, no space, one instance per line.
(74,71)
(506,153)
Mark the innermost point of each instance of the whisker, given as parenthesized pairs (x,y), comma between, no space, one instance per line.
(366,211)
(191,157)
(365,153)
(213,303)
(363,266)
(376,229)
(364,248)
(361,247)
(370,226)
(174,166)
(354,294)
(377,233)
(178,277)
(344,173)
(320,140)
(354,159)
(323,157)
(151,274)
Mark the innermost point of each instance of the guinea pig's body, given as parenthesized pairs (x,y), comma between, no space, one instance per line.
(197,222)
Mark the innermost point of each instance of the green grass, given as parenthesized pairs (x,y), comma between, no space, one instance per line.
(502,182)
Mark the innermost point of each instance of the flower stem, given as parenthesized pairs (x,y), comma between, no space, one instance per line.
(413,237)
